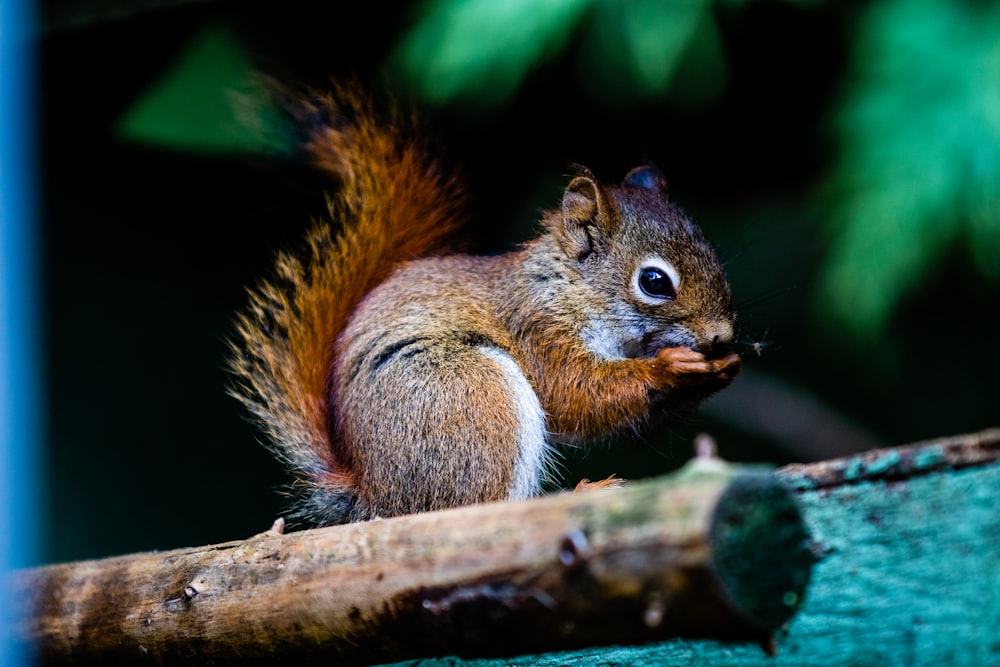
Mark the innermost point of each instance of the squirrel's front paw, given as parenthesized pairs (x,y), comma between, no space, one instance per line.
(692,366)
(683,361)
(727,367)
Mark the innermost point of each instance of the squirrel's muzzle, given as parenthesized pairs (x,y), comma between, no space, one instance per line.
(715,339)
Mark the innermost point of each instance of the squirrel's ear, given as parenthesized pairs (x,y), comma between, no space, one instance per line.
(588,218)
(647,177)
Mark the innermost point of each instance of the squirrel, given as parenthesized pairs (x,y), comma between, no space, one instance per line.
(393,377)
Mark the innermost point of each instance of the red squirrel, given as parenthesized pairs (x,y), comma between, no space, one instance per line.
(392,377)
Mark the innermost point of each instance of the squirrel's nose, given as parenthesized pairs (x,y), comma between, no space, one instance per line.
(716,338)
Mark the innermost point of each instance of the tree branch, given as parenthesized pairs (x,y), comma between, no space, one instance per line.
(701,554)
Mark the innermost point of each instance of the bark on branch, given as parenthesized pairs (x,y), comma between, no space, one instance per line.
(700,554)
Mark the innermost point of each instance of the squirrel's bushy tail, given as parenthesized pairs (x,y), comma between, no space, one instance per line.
(393,202)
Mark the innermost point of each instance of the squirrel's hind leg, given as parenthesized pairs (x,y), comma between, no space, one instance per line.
(459,424)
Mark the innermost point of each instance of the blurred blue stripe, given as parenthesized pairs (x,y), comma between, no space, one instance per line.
(20,384)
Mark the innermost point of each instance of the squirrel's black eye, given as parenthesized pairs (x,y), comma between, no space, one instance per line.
(656,283)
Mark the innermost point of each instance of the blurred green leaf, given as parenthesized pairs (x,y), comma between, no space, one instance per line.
(199,103)
(482,48)
(634,49)
(920,165)
(480,51)
(654,35)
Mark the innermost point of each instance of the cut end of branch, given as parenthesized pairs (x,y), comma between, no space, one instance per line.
(761,549)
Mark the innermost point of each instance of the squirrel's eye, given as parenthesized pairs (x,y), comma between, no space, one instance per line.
(656,283)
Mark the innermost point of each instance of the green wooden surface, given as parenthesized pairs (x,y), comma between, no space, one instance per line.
(911,577)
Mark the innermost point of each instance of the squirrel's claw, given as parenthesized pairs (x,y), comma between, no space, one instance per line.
(611,482)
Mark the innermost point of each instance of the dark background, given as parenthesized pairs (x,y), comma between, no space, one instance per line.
(148,251)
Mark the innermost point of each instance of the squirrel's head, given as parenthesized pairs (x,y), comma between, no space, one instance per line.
(655,280)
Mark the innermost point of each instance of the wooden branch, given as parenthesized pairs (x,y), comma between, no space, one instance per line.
(702,554)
